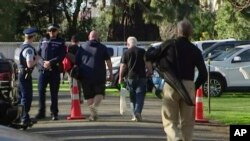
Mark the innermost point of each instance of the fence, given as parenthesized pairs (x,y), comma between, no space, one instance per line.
(8,49)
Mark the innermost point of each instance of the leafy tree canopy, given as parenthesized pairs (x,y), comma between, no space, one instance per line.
(231,23)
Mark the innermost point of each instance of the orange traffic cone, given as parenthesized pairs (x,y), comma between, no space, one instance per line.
(199,106)
(75,105)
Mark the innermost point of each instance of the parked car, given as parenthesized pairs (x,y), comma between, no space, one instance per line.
(205,44)
(217,48)
(230,71)
(8,79)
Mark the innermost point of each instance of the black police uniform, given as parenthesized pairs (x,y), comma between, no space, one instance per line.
(24,76)
(53,50)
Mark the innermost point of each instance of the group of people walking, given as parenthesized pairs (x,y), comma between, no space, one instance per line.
(178,57)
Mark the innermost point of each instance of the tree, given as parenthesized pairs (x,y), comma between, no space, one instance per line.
(242,6)
(203,22)
(127,20)
(8,19)
(71,10)
(231,23)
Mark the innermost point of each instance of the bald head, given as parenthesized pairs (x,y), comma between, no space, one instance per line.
(184,28)
(93,35)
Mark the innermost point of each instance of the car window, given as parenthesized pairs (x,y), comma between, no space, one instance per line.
(219,49)
(245,56)
(5,67)
(207,45)
(110,51)
(226,54)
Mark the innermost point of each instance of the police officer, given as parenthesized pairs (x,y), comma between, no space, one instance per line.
(52,50)
(27,60)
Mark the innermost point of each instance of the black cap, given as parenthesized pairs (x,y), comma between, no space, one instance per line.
(53,26)
(30,31)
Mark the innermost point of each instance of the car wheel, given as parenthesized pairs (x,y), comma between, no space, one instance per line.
(217,86)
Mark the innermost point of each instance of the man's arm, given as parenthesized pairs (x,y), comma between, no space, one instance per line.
(30,57)
(149,68)
(202,76)
(121,72)
(39,54)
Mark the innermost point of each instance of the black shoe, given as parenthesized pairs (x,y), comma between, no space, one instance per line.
(40,116)
(27,123)
(54,117)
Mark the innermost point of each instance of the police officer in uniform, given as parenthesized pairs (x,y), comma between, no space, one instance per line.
(52,50)
(27,60)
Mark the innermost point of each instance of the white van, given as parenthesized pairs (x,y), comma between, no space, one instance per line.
(116,50)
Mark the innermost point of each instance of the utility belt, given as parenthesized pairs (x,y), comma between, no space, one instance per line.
(25,71)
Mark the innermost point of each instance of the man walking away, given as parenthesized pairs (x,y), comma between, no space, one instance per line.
(91,60)
(133,61)
(179,57)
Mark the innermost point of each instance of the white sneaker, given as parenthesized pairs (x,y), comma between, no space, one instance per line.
(133,118)
(93,113)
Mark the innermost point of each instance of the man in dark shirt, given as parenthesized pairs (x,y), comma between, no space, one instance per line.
(133,61)
(181,57)
(90,59)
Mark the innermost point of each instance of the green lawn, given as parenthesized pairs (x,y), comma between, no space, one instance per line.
(230,108)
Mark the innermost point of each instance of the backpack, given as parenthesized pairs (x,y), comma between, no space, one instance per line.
(67,64)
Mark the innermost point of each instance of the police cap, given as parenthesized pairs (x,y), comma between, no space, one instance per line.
(30,31)
(53,26)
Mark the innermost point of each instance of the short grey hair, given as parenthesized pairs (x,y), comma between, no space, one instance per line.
(132,41)
(185,28)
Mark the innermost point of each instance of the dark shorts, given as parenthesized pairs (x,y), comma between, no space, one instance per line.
(90,90)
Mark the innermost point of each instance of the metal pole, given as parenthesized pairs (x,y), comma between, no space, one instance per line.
(208,83)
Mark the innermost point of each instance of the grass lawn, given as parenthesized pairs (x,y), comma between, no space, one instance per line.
(230,108)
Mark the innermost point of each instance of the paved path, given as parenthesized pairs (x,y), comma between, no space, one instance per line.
(111,126)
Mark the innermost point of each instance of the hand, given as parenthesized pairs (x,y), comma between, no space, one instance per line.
(120,80)
(46,65)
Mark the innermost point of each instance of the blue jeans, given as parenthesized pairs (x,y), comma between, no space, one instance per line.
(137,91)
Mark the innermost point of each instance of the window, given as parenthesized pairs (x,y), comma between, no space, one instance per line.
(207,45)
(219,49)
(245,56)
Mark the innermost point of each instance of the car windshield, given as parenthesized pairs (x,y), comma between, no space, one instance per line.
(226,54)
